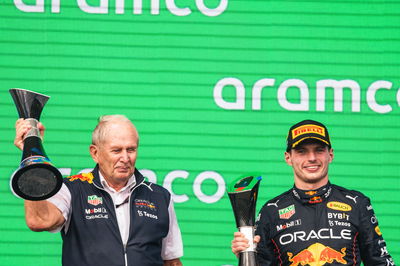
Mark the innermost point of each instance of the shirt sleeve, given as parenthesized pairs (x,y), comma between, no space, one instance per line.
(372,245)
(172,246)
(62,200)
(265,248)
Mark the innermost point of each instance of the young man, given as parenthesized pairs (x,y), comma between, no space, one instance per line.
(316,222)
(110,216)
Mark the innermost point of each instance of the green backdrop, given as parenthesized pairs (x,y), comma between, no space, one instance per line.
(212,86)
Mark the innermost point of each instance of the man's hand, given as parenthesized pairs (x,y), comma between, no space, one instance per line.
(22,127)
(174,262)
(240,242)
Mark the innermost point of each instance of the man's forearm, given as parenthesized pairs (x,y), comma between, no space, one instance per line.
(174,262)
(42,215)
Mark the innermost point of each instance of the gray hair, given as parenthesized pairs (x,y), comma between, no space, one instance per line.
(100,131)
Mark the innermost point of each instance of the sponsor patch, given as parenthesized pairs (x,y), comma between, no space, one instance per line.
(288,224)
(145,204)
(311,192)
(287,212)
(146,214)
(84,177)
(306,129)
(338,216)
(95,200)
(339,206)
(323,233)
(96,213)
(314,200)
(318,254)
(378,231)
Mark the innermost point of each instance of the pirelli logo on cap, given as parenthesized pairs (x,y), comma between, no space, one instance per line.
(306,129)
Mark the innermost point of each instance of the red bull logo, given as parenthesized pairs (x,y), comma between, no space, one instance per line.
(84,177)
(317,254)
(311,192)
(314,200)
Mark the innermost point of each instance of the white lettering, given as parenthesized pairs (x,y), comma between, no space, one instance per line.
(288,241)
(170,177)
(240,94)
(340,216)
(101,9)
(338,223)
(320,234)
(303,105)
(213,176)
(371,96)
(150,175)
(212,12)
(97,216)
(338,94)
(176,10)
(150,215)
(398,97)
(346,234)
(313,235)
(38,7)
(303,102)
(256,92)
(119,6)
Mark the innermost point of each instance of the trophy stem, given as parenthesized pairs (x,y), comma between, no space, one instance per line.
(34,131)
(248,258)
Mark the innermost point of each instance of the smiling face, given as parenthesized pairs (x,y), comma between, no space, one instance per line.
(116,153)
(310,162)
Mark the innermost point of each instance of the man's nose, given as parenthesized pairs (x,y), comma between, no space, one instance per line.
(312,156)
(124,156)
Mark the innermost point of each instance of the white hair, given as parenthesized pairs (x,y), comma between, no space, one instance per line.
(100,131)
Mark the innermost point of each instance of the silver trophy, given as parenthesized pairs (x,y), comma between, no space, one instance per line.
(243,196)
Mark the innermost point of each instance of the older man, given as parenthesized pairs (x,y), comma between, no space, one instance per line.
(316,222)
(111,216)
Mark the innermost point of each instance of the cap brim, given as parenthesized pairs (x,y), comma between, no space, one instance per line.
(309,137)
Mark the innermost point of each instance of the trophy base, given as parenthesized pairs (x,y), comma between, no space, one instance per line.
(248,258)
(36,182)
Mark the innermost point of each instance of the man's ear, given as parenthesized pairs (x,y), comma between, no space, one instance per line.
(93,149)
(288,158)
(331,154)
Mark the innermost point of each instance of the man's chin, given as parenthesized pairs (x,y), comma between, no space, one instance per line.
(123,174)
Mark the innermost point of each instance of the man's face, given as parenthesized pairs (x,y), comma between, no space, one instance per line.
(310,163)
(116,154)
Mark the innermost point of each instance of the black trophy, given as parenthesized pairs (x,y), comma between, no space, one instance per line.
(36,178)
(243,196)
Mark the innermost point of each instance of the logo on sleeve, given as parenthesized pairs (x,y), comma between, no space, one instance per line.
(287,212)
(84,177)
(378,231)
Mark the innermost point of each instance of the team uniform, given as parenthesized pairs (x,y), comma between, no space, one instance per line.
(135,226)
(328,226)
